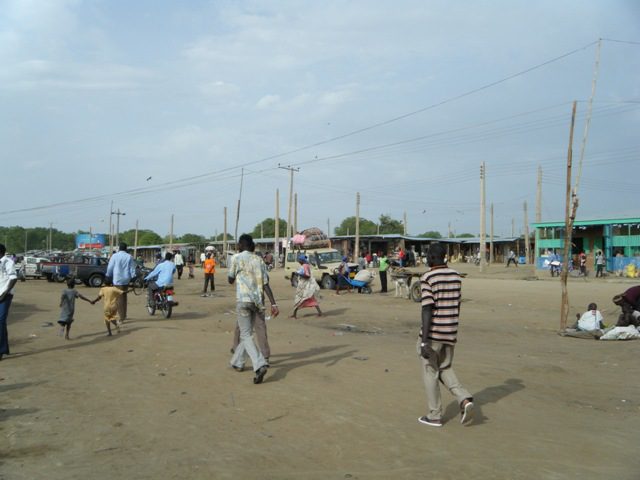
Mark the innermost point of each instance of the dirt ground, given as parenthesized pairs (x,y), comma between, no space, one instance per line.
(159,400)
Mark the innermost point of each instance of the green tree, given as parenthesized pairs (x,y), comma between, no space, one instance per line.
(37,238)
(465,235)
(390,225)
(192,238)
(220,237)
(430,234)
(269,228)
(348,227)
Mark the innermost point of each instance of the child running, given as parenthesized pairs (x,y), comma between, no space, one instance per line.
(110,294)
(68,307)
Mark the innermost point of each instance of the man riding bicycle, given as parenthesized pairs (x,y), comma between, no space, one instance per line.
(161,276)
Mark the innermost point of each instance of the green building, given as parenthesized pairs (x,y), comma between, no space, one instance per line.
(618,238)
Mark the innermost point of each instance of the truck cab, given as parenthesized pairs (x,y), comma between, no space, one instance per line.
(324,263)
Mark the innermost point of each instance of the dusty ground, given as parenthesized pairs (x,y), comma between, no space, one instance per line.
(158,401)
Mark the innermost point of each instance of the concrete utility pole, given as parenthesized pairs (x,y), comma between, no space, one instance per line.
(224,237)
(135,242)
(539,197)
(118,214)
(513,227)
(261,229)
(295,212)
(26,236)
(483,209)
(276,243)
(571,206)
(356,250)
(291,171)
(328,227)
(491,236)
(171,234)
(404,222)
(50,237)
(527,243)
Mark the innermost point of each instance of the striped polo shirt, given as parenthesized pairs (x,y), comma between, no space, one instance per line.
(442,287)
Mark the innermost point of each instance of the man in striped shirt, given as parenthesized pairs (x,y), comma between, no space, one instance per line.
(441,293)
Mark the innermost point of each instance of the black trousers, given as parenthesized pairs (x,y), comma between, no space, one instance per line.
(383,281)
(208,277)
(180,269)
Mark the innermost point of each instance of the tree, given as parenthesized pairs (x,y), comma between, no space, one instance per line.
(348,227)
(36,239)
(465,235)
(269,228)
(430,234)
(193,238)
(220,237)
(390,225)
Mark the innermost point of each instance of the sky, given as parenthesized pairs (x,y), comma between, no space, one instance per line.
(157,106)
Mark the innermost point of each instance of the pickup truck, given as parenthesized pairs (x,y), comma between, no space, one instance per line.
(89,270)
(30,267)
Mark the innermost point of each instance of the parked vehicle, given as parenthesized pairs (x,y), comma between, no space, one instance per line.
(162,300)
(30,267)
(88,270)
(324,263)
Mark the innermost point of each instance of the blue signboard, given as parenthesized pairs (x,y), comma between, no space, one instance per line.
(94,241)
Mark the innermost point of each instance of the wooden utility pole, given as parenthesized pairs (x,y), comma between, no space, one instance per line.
(90,238)
(135,242)
(539,197)
(356,251)
(224,237)
(328,227)
(171,234)
(571,205)
(491,236)
(26,236)
(50,237)
(261,229)
(295,212)
(527,243)
(235,235)
(111,228)
(513,227)
(404,223)
(483,209)
(276,222)
(449,230)
(291,171)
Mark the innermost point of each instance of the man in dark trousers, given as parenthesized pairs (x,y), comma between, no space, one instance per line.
(8,279)
(441,294)
(629,302)
(382,269)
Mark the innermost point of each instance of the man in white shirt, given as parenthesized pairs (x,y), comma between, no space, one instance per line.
(8,279)
(179,263)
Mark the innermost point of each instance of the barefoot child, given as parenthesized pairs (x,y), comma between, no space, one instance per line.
(110,294)
(68,307)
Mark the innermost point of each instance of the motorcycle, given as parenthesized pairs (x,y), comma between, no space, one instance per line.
(162,299)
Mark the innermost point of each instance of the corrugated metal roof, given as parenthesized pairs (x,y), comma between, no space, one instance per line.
(586,223)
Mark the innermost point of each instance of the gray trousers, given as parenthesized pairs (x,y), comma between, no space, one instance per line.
(438,368)
(122,303)
(260,327)
(247,316)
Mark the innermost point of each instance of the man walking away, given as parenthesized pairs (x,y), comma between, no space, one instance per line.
(512,258)
(121,269)
(384,266)
(179,263)
(441,294)
(8,279)
(600,263)
(249,273)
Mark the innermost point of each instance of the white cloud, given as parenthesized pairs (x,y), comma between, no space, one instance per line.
(268,101)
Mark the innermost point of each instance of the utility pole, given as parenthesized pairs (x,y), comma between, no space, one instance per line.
(356,250)
(328,227)
(513,227)
(527,243)
(135,242)
(26,236)
(539,197)
(295,212)
(118,214)
(276,243)
(404,222)
(483,240)
(291,171)
(50,237)
(261,229)
(171,234)
(571,206)
(449,230)
(491,236)
(238,208)
(224,237)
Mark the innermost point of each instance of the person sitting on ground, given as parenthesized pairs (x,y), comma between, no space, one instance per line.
(629,302)
(590,320)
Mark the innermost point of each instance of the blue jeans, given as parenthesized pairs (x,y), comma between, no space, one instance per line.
(247,314)
(4,334)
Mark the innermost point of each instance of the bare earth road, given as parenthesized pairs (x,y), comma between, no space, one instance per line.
(159,401)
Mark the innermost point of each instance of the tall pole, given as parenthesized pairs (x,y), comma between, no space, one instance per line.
(224,237)
(118,228)
(171,233)
(328,227)
(50,237)
(483,209)
(491,235)
(291,171)
(261,229)
(111,228)
(356,251)
(276,243)
(404,223)
(570,210)
(539,196)
(295,212)
(513,227)
(26,235)
(527,243)
(135,242)
(235,237)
